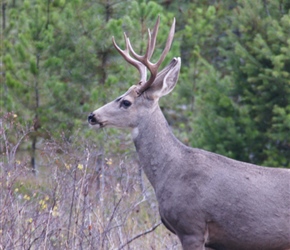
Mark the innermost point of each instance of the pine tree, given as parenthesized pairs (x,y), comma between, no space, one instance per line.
(260,68)
(27,38)
(231,52)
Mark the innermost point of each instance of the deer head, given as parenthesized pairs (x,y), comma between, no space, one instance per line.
(141,99)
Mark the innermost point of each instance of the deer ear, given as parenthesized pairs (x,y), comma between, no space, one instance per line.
(165,80)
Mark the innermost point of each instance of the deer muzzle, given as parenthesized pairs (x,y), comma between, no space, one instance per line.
(93,120)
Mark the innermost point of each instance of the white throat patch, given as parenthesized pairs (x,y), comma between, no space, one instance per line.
(135,133)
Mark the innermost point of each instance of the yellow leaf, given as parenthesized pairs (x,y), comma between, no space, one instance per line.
(26,197)
(68,166)
(109,161)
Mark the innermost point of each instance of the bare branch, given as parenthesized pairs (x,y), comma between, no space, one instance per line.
(140,235)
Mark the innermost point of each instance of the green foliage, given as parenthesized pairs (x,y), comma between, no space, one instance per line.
(215,115)
(260,69)
(233,94)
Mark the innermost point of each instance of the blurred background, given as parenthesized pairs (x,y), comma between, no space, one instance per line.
(67,186)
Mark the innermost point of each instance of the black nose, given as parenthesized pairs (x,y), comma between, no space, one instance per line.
(92,119)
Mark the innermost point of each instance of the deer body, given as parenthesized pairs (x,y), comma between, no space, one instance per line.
(208,200)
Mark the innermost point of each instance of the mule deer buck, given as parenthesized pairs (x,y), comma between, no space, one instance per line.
(209,201)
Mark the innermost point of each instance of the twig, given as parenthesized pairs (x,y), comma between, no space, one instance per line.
(71,207)
(140,235)
(111,218)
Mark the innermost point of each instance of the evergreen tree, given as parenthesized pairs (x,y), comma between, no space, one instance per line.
(260,68)
(27,38)
(233,94)
(255,76)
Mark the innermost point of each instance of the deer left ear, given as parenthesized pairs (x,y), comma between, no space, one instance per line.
(165,80)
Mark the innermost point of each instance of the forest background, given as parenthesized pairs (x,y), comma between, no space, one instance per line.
(65,185)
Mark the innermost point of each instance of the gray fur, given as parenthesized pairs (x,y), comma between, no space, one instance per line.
(208,200)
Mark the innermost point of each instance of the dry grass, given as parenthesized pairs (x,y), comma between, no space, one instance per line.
(79,198)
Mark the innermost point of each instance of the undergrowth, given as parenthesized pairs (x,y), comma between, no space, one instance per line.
(79,197)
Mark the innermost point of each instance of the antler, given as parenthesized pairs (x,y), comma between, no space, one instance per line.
(142,62)
(125,53)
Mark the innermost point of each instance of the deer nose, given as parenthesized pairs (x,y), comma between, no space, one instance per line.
(92,119)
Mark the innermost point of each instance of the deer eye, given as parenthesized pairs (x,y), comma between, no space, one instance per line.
(126,103)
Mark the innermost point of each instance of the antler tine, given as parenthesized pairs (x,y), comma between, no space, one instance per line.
(150,45)
(125,53)
(141,62)
(153,39)
(168,44)
(153,68)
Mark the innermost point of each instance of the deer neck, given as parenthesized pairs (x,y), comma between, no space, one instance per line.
(157,147)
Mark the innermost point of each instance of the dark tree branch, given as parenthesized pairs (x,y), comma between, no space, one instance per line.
(140,235)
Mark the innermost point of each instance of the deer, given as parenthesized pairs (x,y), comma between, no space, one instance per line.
(208,200)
